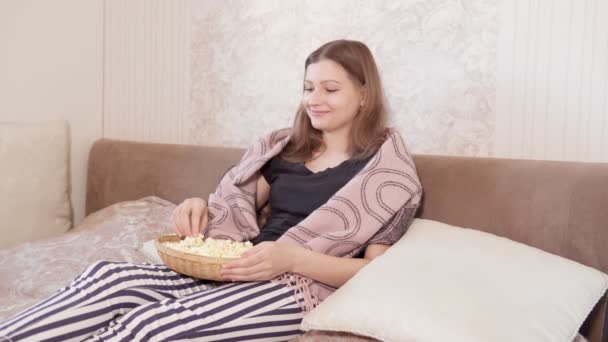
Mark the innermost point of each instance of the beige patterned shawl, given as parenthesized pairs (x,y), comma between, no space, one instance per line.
(376,206)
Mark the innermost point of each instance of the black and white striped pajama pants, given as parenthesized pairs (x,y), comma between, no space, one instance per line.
(113,301)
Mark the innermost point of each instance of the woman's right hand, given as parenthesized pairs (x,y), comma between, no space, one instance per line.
(190,217)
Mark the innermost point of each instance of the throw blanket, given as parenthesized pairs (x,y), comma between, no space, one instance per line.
(374,207)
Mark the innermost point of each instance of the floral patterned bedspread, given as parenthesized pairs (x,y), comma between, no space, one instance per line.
(35,270)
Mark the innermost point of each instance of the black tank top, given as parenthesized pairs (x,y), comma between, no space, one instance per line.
(295,192)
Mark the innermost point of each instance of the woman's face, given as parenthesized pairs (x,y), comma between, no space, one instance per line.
(331,98)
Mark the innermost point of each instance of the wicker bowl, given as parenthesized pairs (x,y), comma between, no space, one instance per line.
(192,265)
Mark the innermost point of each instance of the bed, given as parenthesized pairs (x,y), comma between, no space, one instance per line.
(132,187)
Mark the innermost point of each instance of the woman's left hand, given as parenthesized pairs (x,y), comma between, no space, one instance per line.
(262,262)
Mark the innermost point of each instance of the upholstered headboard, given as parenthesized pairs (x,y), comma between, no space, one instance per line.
(560,207)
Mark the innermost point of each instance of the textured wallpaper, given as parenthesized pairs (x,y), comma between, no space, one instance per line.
(437,59)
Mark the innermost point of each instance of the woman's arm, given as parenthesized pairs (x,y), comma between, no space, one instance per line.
(270,259)
(330,270)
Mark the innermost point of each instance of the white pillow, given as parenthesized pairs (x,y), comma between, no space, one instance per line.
(34,181)
(445,283)
(148,249)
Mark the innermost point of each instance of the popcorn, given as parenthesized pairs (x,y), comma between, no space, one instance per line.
(215,248)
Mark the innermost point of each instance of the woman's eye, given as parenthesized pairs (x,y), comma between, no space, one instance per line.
(307,90)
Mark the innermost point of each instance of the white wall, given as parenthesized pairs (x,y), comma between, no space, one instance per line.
(51,68)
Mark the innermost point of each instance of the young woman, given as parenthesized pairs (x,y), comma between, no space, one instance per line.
(306,177)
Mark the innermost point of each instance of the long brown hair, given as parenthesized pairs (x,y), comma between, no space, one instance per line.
(369,126)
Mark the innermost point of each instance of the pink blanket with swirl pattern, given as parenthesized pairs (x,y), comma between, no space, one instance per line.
(374,207)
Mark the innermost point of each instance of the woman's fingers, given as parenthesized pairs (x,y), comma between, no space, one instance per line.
(252,277)
(184,219)
(245,273)
(249,257)
(199,216)
(175,221)
(195,219)
(190,217)
(204,219)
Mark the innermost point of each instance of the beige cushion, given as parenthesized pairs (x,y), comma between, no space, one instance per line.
(34,181)
(445,283)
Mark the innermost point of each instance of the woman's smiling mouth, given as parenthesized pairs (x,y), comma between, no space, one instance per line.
(318,113)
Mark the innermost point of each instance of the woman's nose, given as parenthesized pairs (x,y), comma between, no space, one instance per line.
(315,97)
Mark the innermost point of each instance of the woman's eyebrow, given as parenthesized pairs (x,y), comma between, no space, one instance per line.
(324,81)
